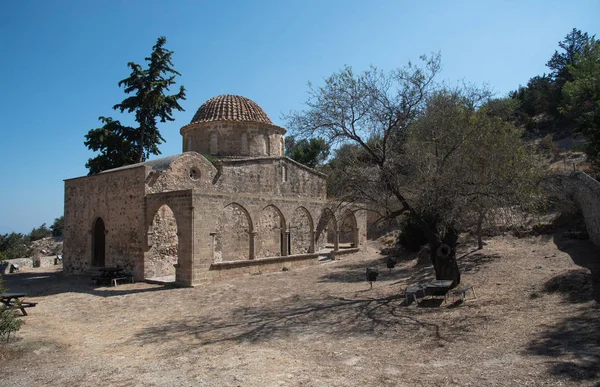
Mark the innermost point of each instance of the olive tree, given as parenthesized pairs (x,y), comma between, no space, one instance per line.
(407,147)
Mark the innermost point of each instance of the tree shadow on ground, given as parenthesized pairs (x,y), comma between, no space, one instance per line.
(315,319)
(47,283)
(585,254)
(576,340)
(475,260)
(356,273)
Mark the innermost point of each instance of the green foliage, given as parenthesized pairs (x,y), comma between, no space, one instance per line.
(310,152)
(8,321)
(14,245)
(563,101)
(116,143)
(40,232)
(582,97)
(58,226)
(411,235)
(122,145)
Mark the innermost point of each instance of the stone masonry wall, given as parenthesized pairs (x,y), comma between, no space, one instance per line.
(586,192)
(271,176)
(116,197)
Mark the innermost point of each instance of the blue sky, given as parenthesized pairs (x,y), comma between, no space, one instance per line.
(61,62)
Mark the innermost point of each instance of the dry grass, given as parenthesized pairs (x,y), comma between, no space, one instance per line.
(534,322)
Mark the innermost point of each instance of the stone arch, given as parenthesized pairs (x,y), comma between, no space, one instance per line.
(98,242)
(271,236)
(348,232)
(163,243)
(234,234)
(301,232)
(325,233)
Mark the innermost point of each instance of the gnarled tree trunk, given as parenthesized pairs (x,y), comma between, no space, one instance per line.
(443,257)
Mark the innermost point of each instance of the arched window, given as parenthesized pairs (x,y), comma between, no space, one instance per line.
(213,144)
(244,144)
(268,145)
(281,150)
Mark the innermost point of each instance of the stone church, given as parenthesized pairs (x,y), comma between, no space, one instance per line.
(230,204)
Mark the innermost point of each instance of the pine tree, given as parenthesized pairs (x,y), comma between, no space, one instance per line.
(122,145)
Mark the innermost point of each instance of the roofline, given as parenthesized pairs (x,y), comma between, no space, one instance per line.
(241,160)
(114,170)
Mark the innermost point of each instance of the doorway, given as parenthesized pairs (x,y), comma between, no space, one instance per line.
(98,243)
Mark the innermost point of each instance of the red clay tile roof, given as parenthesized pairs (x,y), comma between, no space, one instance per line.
(231,108)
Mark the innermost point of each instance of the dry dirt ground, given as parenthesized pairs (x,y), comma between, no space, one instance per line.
(535,321)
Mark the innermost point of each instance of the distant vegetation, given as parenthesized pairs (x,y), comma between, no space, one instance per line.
(17,245)
(567,99)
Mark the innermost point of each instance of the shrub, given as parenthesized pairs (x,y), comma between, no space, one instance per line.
(8,322)
(39,233)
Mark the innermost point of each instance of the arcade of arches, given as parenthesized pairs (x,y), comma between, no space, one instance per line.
(245,209)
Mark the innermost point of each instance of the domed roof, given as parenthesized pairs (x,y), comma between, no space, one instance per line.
(231,108)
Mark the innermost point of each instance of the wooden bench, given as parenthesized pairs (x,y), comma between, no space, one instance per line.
(125,278)
(462,292)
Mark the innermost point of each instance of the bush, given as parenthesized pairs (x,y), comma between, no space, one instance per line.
(8,322)
(40,233)
(14,245)
(411,235)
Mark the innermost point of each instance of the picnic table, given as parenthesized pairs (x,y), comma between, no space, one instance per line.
(438,287)
(13,301)
(111,274)
(431,288)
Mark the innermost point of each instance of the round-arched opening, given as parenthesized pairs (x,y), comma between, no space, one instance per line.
(301,227)
(326,230)
(348,231)
(271,238)
(98,243)
(232,239)
(162,256)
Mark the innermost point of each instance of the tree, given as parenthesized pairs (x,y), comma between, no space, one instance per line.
(310,152)
(14,245)
(582,97)
(121,145)
(58,226)
(39,233)
(575,44)
(402,145)
(116,144)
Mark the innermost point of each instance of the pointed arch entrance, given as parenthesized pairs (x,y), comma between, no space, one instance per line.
(98,243)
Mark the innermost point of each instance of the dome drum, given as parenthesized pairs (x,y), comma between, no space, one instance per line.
(235,126)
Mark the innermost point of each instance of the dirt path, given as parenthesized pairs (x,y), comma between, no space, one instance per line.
(534,322)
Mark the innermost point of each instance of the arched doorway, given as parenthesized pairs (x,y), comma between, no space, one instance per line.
(270,233)
(232,239)
(348,231)
(301,231)
(164,245)
(98,243)
(326,230)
